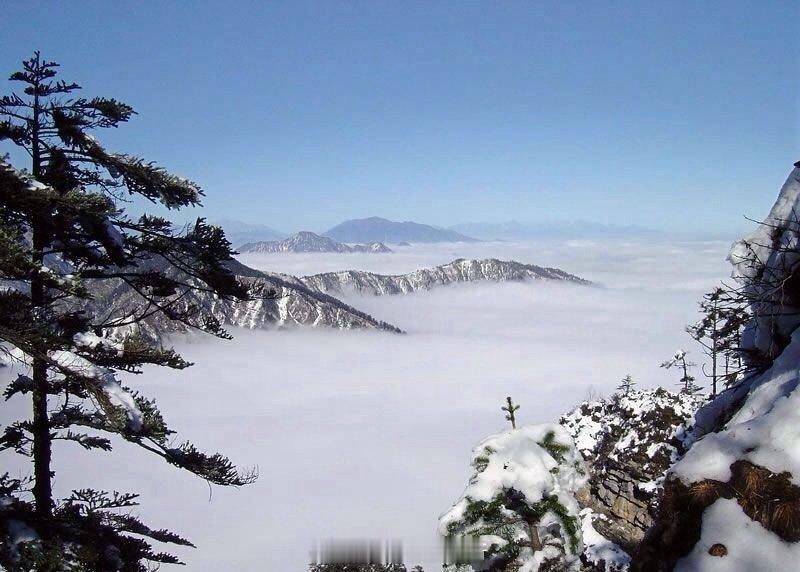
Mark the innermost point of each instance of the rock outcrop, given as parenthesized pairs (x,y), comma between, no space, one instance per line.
(629,442)
(732,502)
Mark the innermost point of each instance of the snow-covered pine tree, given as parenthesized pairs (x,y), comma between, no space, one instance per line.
(625,386)
(521,499)
(687,380)
(718,331)
(63,234)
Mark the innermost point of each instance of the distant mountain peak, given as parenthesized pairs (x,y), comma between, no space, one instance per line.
(307,241)
(377,229)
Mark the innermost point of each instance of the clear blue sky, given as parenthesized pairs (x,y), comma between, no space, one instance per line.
(301,114)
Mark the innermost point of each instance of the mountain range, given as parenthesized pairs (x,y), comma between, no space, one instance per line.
(460,270)
(306,241)
(376,229)
(280,300)
(277,300)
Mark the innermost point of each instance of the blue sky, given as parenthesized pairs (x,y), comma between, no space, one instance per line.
(677,116)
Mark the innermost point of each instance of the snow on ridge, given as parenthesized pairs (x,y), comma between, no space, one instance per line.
(306,241)
(459,270)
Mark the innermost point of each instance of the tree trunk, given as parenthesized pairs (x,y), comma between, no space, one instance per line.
(42,489)
(42,443)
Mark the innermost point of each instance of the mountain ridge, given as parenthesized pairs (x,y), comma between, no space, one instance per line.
(307,241)
(278,301)
(377,229)
(459,270)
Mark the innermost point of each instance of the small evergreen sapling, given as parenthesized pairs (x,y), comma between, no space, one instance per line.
(63,235)
(625,386)
(687,380)
(510,409)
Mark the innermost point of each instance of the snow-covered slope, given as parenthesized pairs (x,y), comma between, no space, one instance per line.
(460,270)
(309,242)
(285,302)
(733,501)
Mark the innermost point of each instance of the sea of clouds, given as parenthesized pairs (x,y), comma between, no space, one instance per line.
(366,434)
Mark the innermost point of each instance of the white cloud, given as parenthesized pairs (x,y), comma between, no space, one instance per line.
(362,434)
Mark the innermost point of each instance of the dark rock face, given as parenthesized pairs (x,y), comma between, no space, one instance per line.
(629,443)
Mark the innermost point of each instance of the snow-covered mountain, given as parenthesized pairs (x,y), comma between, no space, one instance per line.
(310,242)
(284,302)
(733,501)
(376,229)
(460,270)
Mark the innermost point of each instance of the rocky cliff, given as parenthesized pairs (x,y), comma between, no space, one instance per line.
(732,502)
(628,441)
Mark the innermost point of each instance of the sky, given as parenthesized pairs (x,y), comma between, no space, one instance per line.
(679,116)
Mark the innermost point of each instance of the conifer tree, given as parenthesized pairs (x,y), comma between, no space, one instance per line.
(718,332)
(64,234)
(520,497)
(511,410)
(625,386)
(687,380)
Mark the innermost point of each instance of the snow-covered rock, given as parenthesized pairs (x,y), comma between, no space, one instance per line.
(733,501)
(629,442)
(730,541)
(599,553)
(460,270)
(310,242)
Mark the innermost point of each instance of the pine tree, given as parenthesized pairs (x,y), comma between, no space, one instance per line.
(521,496)
(625,386)
(718,332)
(510,410)
(687,380)
(63,234)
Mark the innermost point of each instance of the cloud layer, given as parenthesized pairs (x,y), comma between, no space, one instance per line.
(361,434)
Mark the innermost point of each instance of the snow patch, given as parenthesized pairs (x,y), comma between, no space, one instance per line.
(749,545)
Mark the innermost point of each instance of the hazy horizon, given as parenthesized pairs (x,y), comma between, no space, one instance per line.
(672,117)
